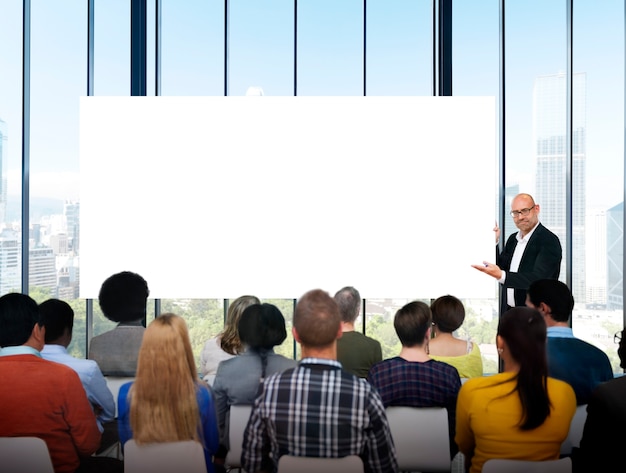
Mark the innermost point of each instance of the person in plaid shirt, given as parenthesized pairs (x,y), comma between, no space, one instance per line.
(317,409)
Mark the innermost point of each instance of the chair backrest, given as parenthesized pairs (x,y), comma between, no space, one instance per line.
(291,464)
(166,457)
(24,454)
(421,438)
(500,465)
(238,420)
(114,383)
(575,430)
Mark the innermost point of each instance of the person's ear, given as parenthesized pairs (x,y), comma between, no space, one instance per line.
(38,336)
(294,332)
(339,332)
(544,309)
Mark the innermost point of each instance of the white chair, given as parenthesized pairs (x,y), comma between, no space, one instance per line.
(291,464)
(166,457)
(114,383)
(24,455)
(238,420)
(421,438)
(575,430)
(500,465)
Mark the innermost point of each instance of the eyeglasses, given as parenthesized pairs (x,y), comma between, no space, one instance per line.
(617,337)
(522,212)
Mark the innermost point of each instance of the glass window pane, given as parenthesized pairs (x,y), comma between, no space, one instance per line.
(330,47)
(475,67)
(10,147)
(598,183)
(261,47)
(399,47)
(192,42)
(58,79)
(111,47)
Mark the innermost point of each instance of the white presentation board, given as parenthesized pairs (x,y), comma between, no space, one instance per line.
(215,197)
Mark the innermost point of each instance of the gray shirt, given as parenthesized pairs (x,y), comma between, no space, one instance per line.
(238,380)
(116,351)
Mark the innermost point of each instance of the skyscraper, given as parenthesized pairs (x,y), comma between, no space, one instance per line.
(549,138)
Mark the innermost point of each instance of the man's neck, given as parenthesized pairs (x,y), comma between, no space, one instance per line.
(347,326)
(326,353)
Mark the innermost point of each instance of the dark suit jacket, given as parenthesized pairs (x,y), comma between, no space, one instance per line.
(541,260)
(604,435)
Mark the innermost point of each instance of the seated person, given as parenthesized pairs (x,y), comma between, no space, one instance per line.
(414,379)
(464,355)
(317,409)
(356,352)
(58,318)
(40,398)
(604,434)
(226,344)
(123,298)
(521,413)
(167,402)
(570,359)
(261,328)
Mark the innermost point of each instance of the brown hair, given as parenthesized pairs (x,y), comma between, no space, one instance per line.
(316,319)
(448,313)
(229,336)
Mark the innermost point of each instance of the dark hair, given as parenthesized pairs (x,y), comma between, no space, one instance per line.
(262,327)
(349,301)
(411,322)
(524,331)
(56,315)
(123,297)
(316,319)
(555,294)
(18,315)
(448,313)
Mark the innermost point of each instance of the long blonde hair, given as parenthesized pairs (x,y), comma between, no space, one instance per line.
(163,404)
(229,337)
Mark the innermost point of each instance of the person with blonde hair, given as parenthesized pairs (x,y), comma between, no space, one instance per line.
(226,344)
(167,402)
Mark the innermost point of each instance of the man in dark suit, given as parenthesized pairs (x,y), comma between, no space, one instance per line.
(604,435)
(533,253)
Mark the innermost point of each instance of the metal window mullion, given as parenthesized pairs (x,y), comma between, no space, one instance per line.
(26,21)
(569,156)
(90,89)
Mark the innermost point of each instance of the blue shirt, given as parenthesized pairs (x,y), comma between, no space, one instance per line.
(90,376)
(209,435)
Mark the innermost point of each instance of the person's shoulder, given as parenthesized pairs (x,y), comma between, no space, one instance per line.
(561,388)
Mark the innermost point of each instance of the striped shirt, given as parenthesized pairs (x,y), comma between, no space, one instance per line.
(318,410)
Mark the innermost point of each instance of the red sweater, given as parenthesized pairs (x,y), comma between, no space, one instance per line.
(40,398)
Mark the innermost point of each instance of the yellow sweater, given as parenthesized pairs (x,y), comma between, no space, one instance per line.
(486,424)
(469,365)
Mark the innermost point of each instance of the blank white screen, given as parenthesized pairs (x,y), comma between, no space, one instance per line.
(220,196)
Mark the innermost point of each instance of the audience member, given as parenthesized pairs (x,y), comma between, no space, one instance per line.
(167,402)
(413,378)
(604,434)
(356,352)
(123,298)
(570,359)
(317,409)
(464,355)
(261,328)
(226,344)
(58,319)
(43,399)
(520,413)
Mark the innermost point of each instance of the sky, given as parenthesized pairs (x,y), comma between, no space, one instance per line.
(330,62)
